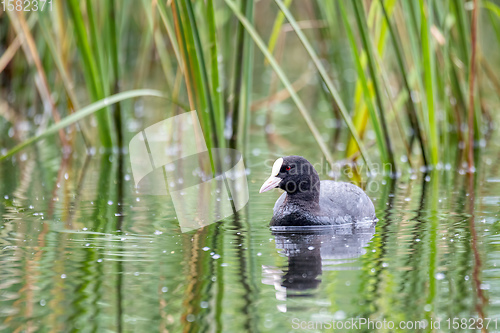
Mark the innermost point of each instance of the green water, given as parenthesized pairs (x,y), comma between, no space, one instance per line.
(79,254)
(82,251)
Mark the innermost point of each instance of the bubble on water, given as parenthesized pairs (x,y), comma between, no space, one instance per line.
(256,152)
(469,5)
(310,248)
(270,128)
(339,315)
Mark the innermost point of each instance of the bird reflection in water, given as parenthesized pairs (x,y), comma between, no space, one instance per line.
(312,250)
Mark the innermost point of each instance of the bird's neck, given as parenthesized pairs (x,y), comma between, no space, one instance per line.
(307,192)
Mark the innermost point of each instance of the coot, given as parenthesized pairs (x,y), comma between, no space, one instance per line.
(309,201)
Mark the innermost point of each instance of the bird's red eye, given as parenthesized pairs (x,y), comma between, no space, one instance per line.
(288,168)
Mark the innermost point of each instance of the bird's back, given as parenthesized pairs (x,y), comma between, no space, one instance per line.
(339,203)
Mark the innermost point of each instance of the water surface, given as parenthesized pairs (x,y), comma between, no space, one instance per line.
(79,254)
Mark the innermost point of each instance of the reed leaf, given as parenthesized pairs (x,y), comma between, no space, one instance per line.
(412,114)
(324,76)
(278,23)
(279,71)
(196,80)
(361,21)
(365,85)
(91,71)
(246,82)
(428,65)
(85,112)
(242,77)
(493,9)
(170,30)
(216,89)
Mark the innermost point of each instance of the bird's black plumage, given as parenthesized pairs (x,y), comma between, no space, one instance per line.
(309,201)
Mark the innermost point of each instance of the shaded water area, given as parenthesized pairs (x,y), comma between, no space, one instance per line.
(80,250)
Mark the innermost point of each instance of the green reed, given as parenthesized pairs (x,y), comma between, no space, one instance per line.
(91,53)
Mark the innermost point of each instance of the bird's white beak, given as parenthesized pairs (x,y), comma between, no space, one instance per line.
(270,183)
(273,181)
